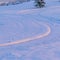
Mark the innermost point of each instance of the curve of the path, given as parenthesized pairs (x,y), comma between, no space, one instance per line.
(31,38)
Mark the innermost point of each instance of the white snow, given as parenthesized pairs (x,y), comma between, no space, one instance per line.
(30,33)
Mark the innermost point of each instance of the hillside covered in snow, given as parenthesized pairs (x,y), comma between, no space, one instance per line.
(11,2)
(30,33)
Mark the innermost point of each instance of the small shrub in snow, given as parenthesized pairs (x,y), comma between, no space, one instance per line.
(40,3)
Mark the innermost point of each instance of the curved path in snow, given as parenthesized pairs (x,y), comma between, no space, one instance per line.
(31,38)
(48,48)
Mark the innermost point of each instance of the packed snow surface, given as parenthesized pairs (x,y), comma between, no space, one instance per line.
(30,33)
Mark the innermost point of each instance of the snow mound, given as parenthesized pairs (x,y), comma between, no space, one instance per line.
(11,2)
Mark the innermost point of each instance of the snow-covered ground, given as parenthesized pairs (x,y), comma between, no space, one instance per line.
(30,33)
(11,2)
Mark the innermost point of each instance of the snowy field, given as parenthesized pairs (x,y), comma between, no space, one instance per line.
(30,33)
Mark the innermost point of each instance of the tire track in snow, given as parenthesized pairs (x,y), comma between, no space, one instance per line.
(30,38)
(33,37)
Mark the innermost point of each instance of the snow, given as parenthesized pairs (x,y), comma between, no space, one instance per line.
(30,33)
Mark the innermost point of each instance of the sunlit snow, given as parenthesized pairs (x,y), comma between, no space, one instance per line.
(30,33)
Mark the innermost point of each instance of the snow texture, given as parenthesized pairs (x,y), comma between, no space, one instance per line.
(30,33)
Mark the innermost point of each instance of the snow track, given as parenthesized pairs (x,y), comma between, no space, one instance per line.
(31,38)
(21,25)
(30,34)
